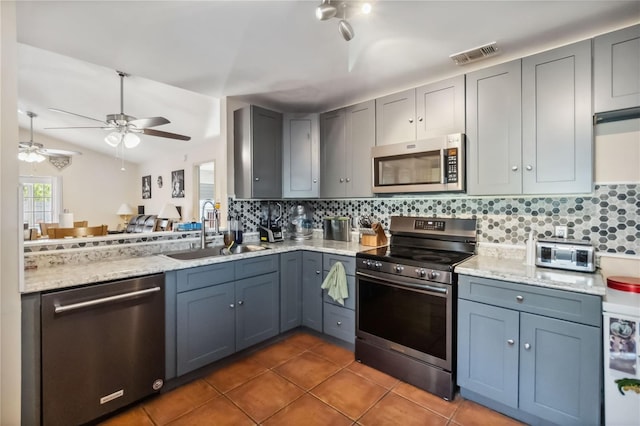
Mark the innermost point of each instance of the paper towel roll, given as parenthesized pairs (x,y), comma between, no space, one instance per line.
(66,220)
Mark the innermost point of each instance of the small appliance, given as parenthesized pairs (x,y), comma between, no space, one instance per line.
(270,222)
(560,253)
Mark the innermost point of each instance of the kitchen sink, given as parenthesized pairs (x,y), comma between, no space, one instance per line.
(214,251)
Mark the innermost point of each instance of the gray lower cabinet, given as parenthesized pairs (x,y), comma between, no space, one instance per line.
(616,70)
(290,290)
(338,320)
(530,352)
(311,291)
(220,309)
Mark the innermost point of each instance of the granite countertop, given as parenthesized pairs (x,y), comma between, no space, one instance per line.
(515,270)
(70,275)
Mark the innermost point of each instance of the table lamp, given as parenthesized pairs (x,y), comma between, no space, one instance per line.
(125,211)
(169,212)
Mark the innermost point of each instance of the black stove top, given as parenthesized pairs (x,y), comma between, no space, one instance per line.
(441,260)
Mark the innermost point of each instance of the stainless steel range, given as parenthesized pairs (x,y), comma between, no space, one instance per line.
(406,301)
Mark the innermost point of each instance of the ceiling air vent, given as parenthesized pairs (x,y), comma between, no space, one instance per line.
(475,54)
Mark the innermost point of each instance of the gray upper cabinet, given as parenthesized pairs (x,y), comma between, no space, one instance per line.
(616,70)
(301,156)
(440,108)
(347,136)
(431,110)
(529,125)
(557,129)
(396,118)
(494,130)
(258,133)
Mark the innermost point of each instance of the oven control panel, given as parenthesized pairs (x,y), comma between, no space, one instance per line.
(429,225)
(407,271)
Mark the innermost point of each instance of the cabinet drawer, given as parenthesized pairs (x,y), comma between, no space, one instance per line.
(256,266)
(349,262)
(340,322)
(204,276)
(349,302)
(561,304)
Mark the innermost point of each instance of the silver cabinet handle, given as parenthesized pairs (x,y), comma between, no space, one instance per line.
(411,120)
(527,346)
(341,180)
(514,168)
(511,342)
(240,302)
(232,306)
(420,119)
(348,180)
(529,167)
(315,181)
(317,272)
(257,179)
(339,323)
(519,299)
(66,308)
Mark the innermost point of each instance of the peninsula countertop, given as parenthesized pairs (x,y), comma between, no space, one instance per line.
(71,275)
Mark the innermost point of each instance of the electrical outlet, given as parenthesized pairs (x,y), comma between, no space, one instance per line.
(560,231)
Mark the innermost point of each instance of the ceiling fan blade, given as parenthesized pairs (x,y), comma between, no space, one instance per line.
(142,123)
(57,152)
(73,113)
(92,127)
(162,134)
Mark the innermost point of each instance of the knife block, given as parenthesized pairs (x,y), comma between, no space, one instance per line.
(375,240)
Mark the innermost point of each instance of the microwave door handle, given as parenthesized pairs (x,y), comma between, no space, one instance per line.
(443,166)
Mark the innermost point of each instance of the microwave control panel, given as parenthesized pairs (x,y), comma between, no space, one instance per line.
(451,163)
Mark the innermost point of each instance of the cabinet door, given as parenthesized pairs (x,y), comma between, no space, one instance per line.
(205,326)
(332,154)
(266,135)
(616,70)
(557,129)
(290,290)
(560,364)
(488,351)
(301,156)
(311,291)
(440,108)
(494,139)
(395,118)
(257,309)
(360,138)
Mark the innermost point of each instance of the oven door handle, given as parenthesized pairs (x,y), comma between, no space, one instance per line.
(427,287)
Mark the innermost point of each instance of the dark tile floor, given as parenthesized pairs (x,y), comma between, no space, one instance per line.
(303,380)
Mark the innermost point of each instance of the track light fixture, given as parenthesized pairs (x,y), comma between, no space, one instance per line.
(326,10)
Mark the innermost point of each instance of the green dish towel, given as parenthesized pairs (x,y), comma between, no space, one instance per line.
(336,283)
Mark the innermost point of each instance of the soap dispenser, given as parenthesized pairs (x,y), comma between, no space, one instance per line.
(531,249)
(239,228)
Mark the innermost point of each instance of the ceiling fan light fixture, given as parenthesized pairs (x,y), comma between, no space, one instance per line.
(130,140)
(113,139)
(326,11)
(31,157)
(366,8)
(346,30)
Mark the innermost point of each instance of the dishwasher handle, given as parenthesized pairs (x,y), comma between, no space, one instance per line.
(66,308)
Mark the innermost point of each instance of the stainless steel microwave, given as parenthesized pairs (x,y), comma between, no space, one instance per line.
(429,165)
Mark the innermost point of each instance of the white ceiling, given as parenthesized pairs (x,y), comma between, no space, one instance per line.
(183,54)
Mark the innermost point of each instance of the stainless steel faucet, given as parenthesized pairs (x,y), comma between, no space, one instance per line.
(216,223)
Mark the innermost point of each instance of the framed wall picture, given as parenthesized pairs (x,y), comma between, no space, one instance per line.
(146,187)
(177,184)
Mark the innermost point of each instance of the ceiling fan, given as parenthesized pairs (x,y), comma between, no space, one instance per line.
(34,152)
(124,128)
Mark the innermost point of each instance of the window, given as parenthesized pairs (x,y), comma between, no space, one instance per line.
(41,198)
(206,186)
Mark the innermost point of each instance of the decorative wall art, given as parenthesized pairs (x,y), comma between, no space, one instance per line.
(159,181)
(177,184)
(146,187)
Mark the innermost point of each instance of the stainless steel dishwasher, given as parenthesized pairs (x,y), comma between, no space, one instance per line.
(102,348)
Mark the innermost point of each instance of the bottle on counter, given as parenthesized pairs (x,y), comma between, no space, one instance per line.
(230,235)
(239,228)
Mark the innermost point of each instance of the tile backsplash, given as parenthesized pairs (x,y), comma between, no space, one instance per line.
(609,217)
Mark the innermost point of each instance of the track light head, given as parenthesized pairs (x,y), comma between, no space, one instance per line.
(326,11)
(346,30)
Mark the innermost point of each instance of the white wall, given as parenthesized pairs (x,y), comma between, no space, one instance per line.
(10,249)
(93,186)
(617,160)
